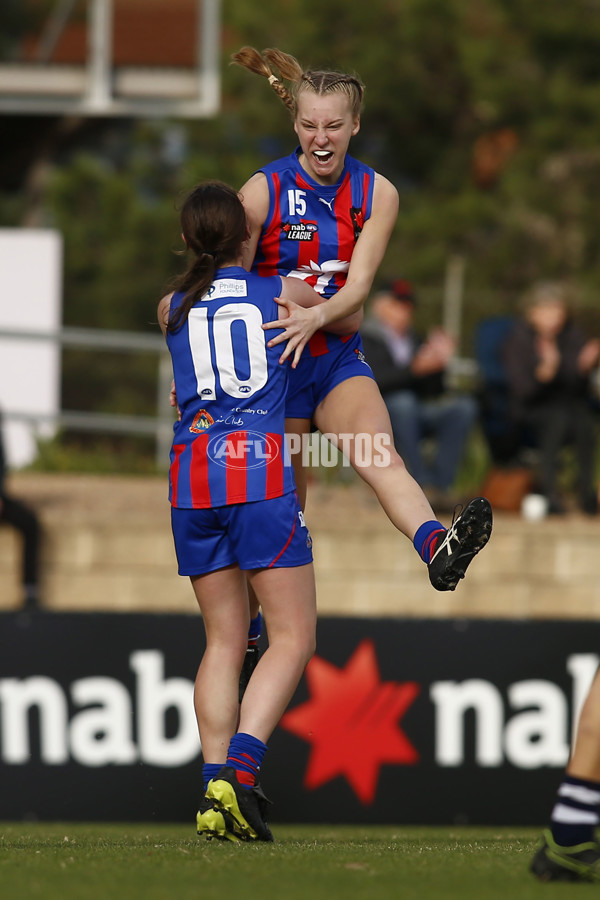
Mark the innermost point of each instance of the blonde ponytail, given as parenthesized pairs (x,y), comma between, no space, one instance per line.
(317,82)
(251,59)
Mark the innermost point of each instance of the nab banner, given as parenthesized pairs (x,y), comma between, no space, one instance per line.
(395,721)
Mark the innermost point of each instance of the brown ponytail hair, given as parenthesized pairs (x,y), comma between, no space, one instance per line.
(318,82)
(213,223)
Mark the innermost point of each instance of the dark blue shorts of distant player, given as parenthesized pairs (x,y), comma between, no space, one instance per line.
(261,535)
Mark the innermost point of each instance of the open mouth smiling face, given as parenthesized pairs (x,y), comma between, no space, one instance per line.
(323,155)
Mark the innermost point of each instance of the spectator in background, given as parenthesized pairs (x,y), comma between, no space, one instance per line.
(549,362)
(410,372)
(21,517)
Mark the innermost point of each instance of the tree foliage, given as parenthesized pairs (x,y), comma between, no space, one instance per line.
(484,115)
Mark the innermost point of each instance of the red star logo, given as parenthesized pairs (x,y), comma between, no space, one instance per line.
(351,721)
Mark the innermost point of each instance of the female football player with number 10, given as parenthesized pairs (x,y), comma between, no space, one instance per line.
(235,511)
(322,216)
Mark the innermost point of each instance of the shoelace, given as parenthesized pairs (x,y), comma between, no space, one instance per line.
(451,533)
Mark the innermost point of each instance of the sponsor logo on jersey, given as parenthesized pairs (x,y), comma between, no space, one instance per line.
(360,356)
(202,421)
(358,221)
(328,203)
(304,231)
(227,287)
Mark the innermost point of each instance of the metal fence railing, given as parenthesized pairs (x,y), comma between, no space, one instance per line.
(159,426)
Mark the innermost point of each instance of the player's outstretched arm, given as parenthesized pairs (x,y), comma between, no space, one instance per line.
(368,253)
(255,198)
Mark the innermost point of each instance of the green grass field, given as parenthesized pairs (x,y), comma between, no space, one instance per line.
(97,861)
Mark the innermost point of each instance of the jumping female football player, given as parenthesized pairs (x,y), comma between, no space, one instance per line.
(323,217)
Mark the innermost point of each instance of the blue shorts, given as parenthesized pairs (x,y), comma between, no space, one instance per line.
(261,535)
(316,376)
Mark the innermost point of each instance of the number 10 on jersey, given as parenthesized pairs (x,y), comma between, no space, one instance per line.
(231,352)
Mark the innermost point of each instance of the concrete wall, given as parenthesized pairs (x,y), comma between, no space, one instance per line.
(108,546)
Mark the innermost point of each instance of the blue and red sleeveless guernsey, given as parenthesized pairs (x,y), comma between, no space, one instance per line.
(311,229)
(229,446)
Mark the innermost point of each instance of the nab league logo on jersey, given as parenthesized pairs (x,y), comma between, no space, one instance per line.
(202,422)
(243,450)
(305,231)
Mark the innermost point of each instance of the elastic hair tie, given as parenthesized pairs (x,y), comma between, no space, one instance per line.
(273,78)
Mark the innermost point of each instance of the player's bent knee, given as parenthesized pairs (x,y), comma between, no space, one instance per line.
(304,650)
